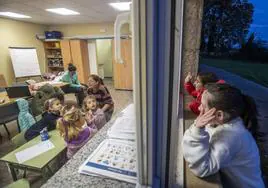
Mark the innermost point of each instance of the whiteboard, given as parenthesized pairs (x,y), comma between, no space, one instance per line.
(24,61)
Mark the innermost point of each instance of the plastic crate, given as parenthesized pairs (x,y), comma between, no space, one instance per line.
(53,34)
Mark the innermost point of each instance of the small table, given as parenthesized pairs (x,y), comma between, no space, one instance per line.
(40,162)
(3,95)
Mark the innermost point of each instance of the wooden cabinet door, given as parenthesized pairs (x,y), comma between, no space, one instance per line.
(66,53)
(79,53)
(122,75)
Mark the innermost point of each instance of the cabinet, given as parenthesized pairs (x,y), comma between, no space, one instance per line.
(76,52)
(53,55)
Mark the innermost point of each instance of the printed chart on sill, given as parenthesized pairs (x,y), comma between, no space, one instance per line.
(113,158)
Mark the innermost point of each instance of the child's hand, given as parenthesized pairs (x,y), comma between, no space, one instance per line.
(204,118)
(88,116)
(188,77)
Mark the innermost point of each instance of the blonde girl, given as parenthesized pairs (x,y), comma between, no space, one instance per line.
(94,116)
(73,128)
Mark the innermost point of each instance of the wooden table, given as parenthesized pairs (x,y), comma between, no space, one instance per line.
(55,84)
(40,162)
(3,95)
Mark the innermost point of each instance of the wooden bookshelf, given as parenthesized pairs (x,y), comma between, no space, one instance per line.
(53,55)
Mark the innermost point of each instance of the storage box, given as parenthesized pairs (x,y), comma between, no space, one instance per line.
(53,34)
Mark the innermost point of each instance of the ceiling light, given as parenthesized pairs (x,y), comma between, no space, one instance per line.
(63,11)
(13,15)
(123,6)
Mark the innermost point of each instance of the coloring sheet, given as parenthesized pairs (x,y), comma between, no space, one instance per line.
(34,151)
(113,158)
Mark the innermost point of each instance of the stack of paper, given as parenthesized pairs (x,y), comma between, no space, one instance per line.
(113,158)
(124,126)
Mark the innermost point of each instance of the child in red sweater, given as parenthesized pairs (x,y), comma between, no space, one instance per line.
(197,88)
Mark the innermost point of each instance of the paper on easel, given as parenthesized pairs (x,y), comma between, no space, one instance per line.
(34,151)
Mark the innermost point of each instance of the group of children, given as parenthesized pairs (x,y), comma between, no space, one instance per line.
(221,137)
(76,125)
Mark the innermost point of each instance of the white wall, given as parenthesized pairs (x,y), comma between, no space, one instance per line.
(104,56)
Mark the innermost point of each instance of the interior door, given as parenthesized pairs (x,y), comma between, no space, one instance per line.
(80,59)
(122,73)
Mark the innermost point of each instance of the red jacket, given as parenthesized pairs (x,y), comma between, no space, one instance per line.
(197,94)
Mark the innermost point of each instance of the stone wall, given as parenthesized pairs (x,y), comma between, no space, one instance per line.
(192,24)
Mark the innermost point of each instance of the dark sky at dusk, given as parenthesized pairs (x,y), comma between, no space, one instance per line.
(260,19)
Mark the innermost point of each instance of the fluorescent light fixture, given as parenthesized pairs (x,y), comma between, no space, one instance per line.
(122,6)
(63,11)
(13,15)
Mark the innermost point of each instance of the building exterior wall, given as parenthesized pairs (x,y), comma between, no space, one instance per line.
(193,12)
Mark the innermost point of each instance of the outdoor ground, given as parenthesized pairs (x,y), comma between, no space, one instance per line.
(255,72)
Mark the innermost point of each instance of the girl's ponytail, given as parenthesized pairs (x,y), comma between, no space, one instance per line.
(249,115)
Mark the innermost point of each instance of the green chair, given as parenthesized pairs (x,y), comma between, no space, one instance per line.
(19,139)
(22,183)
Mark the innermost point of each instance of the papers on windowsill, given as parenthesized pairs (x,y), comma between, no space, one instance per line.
(124,126)
(113,158)
(34,151)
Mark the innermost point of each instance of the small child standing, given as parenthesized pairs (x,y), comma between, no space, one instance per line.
(94,116)
(74,129)
(49,117)
(197,88)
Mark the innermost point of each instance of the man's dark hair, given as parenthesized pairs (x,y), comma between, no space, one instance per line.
(71,67)
(233,103)
(207,77)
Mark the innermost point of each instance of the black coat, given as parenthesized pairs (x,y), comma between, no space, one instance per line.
(48,120)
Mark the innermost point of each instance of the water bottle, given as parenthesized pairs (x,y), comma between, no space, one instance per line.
(44,134)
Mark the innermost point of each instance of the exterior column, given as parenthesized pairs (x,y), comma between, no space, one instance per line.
(192,25)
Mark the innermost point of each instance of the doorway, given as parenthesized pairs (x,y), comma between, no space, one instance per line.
(104,57)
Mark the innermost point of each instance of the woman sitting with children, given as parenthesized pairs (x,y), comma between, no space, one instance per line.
(102,94)
(219,141)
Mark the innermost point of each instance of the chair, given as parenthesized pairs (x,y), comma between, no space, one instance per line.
(22,183)
(2,89)
(9,113)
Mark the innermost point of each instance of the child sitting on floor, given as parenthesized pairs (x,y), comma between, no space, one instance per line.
(197,88)
(74,129)
(49,117)
(94,116)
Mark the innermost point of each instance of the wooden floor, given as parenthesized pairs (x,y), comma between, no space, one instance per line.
(121,99)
